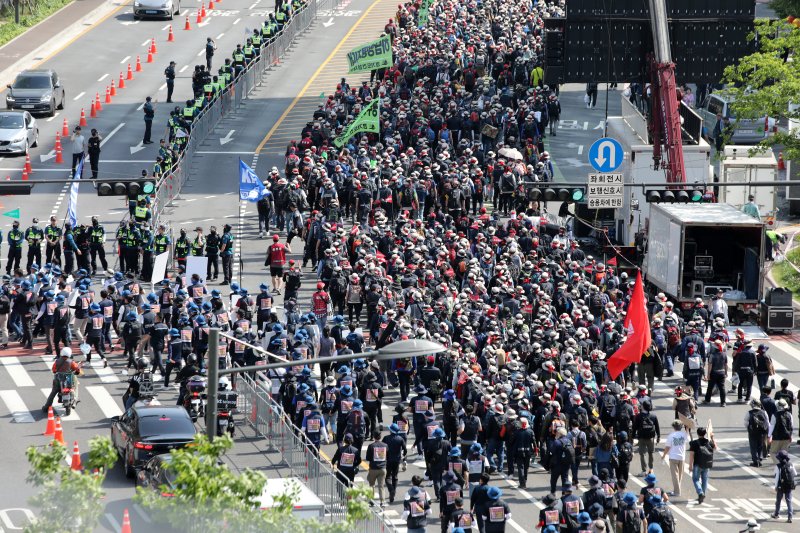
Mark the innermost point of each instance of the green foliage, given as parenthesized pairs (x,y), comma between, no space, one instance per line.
(207,496)
(765,83)
(787,275)
(69,501)
(41,10)
(785,8)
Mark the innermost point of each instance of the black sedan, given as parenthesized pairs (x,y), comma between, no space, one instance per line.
(148,430)
(157,475)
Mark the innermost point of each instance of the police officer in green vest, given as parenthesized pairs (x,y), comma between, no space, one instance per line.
(270,27)
(182,249)
(256,41)
(52,236)
(199,104)
(15,239)
(208,89)
(199,242)
(238,60)
(147,245)
(122,231)
(249,51)
(34,235)
(97,238)
(296,5)
(226,252)
(161,240)
(158,167)
(142,213)
(189,112)
(165,152)
(131,240)
(218,86)
(280,19)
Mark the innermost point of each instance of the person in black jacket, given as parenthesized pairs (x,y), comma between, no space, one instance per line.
(648,433)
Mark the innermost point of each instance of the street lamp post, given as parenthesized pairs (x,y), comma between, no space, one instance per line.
(395,350)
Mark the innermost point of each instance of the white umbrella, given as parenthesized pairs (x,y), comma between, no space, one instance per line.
(511,153)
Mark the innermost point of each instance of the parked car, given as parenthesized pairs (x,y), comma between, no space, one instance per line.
(18,132)
(746,131)
(156,8)
(36,91)
(157,475)
(144,431)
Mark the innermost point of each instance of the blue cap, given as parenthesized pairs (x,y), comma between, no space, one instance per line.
(200,321)
(358,403)
(277,328)
(438,433)
(650,478)
(302,387)
(118,276)
(394,428)
(494,493)
(94,307)
(56,271)
(125,293)
(455,452)
(629,499)
(584,519)
(145,307)
(345,389)
(173,332)
(26,284)
(344,370)
(60,298)
(49,294)
(449,394)
(206,306)
(263,287)
(338,319)
(654,528)
(152,298)
(234,286)
(131,315)
(214,293)
(243,292)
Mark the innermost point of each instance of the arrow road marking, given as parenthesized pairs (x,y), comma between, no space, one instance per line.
(138,148)
(115,130)
(329,23)
(225,140)
(612,154)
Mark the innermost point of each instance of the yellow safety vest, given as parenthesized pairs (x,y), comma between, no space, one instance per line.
(140,213)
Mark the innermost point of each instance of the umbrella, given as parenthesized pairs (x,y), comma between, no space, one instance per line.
(511,153)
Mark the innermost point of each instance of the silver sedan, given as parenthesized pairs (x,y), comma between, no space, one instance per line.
(18,132)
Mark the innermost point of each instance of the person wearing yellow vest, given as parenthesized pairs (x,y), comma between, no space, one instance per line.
(199,243)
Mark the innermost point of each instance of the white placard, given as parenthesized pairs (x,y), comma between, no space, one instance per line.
(196,264)
(159,268)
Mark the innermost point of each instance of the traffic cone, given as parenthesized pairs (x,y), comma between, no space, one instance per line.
(50,430)
(108,94)
(130,72)
(59,155)
(58,140)
(59,433)
(126,522)
(76,458)
(24,174)
(203,9)
(92,112)
(210,5)
(171,36)
(138,64)
(82,122)
(149,57)
(187,26)
(28,164)
(65,128)
(153,46)
(121,84)
(781,162)
(97,105)
(199,17)
(113,89)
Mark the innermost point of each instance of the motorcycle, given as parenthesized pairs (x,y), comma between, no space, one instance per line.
(69,390)
(226,404)
(193,399)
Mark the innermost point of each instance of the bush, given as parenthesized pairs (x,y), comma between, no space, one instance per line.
(41,10)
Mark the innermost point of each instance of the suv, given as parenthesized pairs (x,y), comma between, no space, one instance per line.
(745,131)
(36,91)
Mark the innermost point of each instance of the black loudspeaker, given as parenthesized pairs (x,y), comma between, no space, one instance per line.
(779,297)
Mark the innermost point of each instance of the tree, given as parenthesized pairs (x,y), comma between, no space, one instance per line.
(205,495)
(69,500)
(786,8)
(767,82)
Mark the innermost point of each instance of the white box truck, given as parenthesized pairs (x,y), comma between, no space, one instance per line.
(738,166)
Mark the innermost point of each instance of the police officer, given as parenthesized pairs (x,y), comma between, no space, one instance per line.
(226,251)
(189,113)
(97,237)
(199,243)
(182,248)
(15,239)
(238,60)
(52,236)
(130,247)
(70,249)
(147,244)
(149,111)
(161,240)
(93,147)
(210,47)
(34,235)
(169,72)
(142,213)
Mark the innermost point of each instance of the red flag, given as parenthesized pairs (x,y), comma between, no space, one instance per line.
(612,261)
(639,339)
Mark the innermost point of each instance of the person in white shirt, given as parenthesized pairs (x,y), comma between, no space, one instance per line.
(719,308)
(676,449)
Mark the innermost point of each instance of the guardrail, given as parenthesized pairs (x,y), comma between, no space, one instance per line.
(268,421)
(170,185)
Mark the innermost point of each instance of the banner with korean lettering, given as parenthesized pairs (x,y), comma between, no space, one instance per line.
(371,56)
(368,121)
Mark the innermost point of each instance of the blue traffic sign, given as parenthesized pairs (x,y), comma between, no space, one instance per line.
(606,155)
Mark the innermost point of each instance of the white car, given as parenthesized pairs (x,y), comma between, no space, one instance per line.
(18,132)
(156,8)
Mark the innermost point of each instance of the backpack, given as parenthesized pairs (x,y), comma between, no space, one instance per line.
(609,406)
(673,336)
(623,418)
(578,441)
(658,338)
(694,361)
(596,301)
(631,521)
(647,428)
(662,516)
(567,452)
(625,454)
(758,421)
(786,479)
(704,456)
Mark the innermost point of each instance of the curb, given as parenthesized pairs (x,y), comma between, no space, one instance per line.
(53,44)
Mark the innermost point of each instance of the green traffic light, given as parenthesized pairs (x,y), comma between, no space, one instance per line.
(577,195)
(148,187)
(697,196)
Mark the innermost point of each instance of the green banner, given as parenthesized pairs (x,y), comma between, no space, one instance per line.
(422,17)
(371,56)
(368,121)
(13,214)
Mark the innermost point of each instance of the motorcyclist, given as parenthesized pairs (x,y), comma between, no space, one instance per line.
(135,389)
(191,369)
(64,365)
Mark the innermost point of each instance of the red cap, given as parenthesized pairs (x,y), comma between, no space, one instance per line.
(431,359)
(320,285)
(275,238)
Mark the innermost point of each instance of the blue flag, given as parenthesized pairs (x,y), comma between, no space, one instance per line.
(250,187)
(72,208)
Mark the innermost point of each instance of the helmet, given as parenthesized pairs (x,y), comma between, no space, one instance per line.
(192,359)
(224,383)
(66,352)
(142,363)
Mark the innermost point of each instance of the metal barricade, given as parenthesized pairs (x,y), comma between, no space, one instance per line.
(268,421)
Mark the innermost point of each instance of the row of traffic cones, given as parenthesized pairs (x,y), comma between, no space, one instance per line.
(55,430)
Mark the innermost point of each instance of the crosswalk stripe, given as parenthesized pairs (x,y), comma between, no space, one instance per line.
(17,371)
(48,361)
(16,407)
(58,410)
(106,375)
(787,348)
(104,400)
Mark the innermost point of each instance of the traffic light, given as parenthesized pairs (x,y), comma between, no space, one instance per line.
(552,193)
(13,188)
(669,196)
(127,187)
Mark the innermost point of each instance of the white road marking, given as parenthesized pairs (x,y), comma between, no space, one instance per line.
(124,60)
(184,68)
(104,400)
(141,512)
(17,371)
(48,361)
(164,86)
(213,152)
(235,22)
(101,78)
(59,411)
(115,130)
(113,521)
(140,107)
(51,119)
(146,42)
(106,375)
(77,97)
(19,411)
(165,27)
(786,347)
(212,196)
(201,52)
(580,149)
(675,509)
(516,526)
(220,35)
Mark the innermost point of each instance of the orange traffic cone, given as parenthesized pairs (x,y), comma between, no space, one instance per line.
(187,26)
(203,9)
(130,72)
(210,5)
(113,89)
(781,162)
(76,458)
(153,46)
(126,522)
(83,123)
(24,174)
(199,17)
(97,105)
(138,64)
(28,164)
(59,433)
(50,430)
(171,36)
(65,128)
(121,84)
(58,140)
(149,57)
(59,155)
(93,111)
(108,95)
